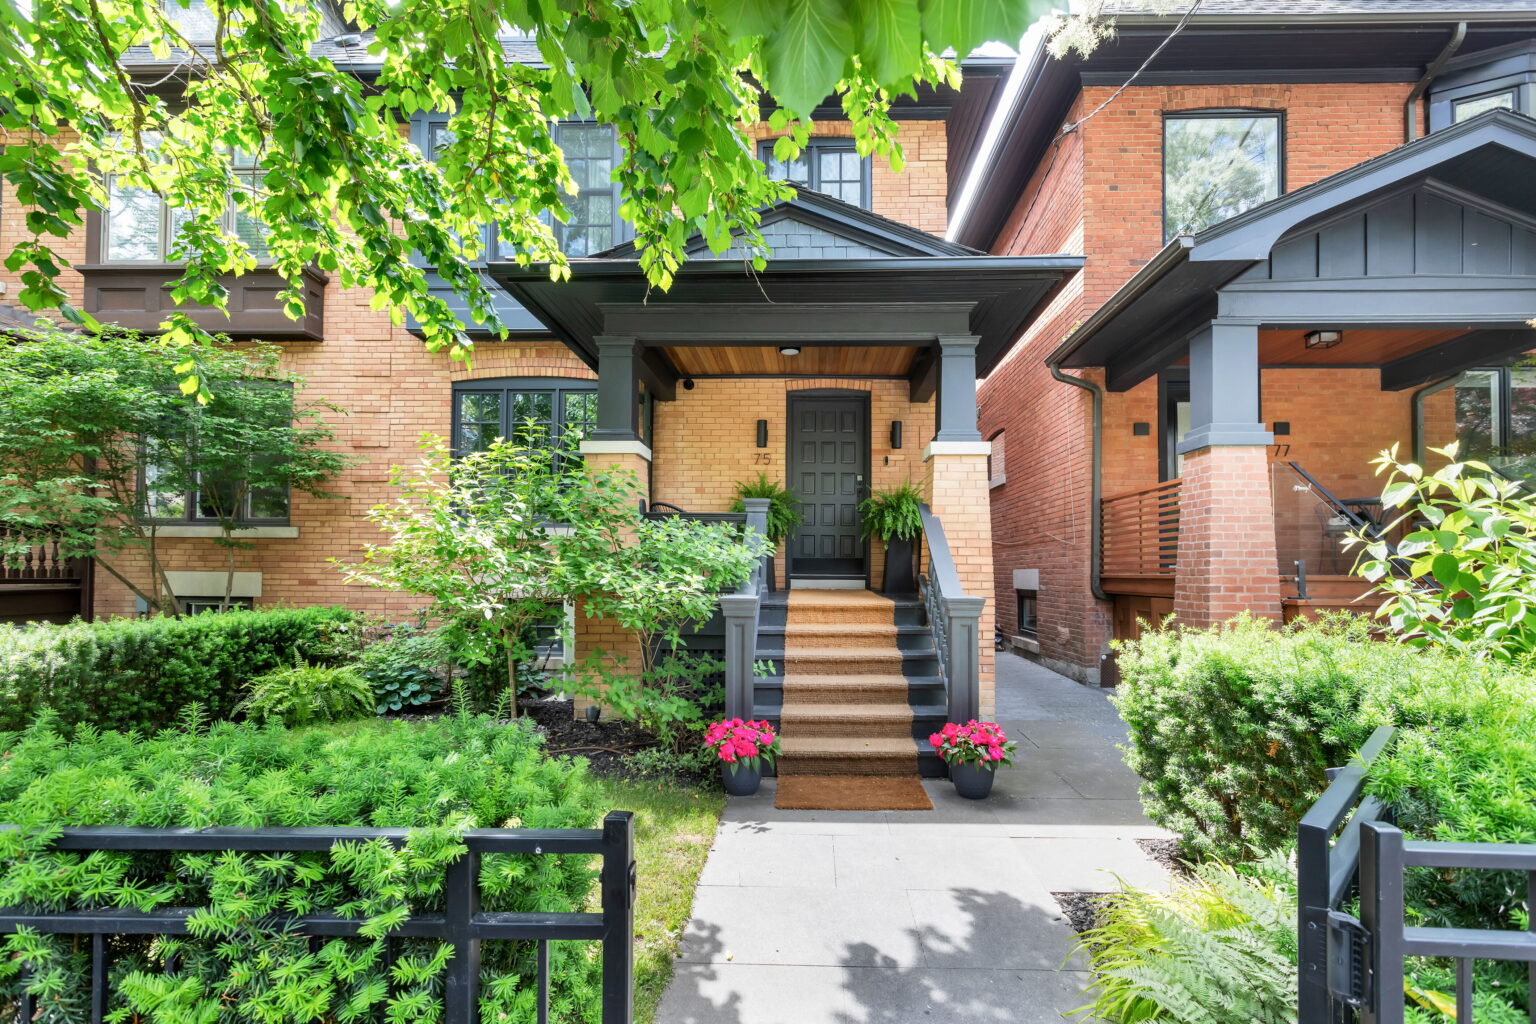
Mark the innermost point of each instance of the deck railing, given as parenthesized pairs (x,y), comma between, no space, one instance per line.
(1140,531)
(461,923)
(38,562)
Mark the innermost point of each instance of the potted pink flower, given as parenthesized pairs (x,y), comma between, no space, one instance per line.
(974,752)
(742,747)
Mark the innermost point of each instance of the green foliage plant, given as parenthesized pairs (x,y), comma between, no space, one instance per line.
(406,670)
(340,185)
(98,442)
(1232,728)
(783,505)
(308,695)
(143,673)
(893,514)
(1219,948)
(672,700)
(435,779)
(1466,578)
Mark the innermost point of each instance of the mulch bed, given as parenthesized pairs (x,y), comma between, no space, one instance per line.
(1167,853)
(1081,909)
(607,745)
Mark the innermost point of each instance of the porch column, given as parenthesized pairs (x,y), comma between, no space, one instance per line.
(613,446)
(1226,557)
(955,416)
(956,487)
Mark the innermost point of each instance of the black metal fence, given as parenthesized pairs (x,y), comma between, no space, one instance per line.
(461,924)
(1350,855)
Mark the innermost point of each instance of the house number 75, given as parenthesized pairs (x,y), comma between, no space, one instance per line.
(762,459)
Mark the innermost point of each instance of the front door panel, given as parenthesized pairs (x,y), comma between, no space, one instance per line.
(828,464)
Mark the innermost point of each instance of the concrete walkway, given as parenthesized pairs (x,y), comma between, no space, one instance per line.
(899,917)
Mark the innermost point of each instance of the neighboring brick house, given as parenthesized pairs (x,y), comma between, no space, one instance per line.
(848,364)
(1230,320)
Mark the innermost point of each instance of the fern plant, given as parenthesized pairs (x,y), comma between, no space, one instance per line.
(893,514)
(307,694)
(783,505)
(1218,950)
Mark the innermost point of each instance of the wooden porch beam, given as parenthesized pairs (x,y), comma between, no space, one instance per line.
(923,377)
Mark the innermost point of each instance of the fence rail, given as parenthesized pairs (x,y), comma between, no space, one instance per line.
(37,562)
(461,923)
(1140,531)
(1352,967)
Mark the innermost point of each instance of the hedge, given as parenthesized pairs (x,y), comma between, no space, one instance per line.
(143,673)
(434,778)
(1232,728)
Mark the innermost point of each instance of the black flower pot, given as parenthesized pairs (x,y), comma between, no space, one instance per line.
(741,779)
(972,781)
(899,559)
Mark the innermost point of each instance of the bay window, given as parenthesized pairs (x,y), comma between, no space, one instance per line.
(140,227)
(1217,164)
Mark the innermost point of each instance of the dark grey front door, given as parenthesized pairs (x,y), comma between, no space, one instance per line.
(828,464)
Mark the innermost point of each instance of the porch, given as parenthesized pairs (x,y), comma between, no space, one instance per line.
(845,367)
(1295,343)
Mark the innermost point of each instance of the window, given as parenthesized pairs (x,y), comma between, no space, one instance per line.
(1173,389)
(484,410)
(1461,110)
(1496,418)
(997,467)
(1028,613)
(831,166)
(192,19)
(198,605)
(1217,164)
(140,228)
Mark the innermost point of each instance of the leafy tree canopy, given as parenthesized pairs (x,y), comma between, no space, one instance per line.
(342,187)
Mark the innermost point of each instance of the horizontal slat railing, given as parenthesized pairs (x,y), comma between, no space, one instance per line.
(1140,531)
(461,923)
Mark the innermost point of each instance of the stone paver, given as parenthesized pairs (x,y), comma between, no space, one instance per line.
(917,917)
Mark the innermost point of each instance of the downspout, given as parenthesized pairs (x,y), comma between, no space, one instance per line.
(1094,527)
(1411,104)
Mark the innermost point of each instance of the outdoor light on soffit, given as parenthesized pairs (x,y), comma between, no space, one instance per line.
(789,350)
(1323,339)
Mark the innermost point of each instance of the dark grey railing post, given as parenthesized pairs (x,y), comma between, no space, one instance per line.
(461,902)
(618,883)
(1381,911)
(740,612)
(964,656)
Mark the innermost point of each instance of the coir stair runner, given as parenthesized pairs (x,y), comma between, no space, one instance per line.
(846,723)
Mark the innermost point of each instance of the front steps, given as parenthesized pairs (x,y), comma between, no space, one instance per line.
(855,687)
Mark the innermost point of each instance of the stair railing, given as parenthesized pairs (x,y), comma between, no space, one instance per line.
(741,610)
(955,619)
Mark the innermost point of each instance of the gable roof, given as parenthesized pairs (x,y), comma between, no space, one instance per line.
(1491,157)
(814,225)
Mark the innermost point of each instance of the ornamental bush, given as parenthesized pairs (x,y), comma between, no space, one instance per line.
(142,673)
(434,778)
(1233,727)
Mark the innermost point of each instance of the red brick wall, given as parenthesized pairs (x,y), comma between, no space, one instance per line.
(1098,191)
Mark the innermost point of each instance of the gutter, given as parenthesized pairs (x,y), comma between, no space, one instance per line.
(1147,278)
(1096,479)
(1411,104)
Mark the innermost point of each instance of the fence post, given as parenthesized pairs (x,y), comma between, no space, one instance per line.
(461,902)
(618,884)
(1381,912)
(964,669)
(1312,898)
(740,614)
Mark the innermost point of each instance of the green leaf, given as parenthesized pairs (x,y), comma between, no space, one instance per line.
(963,25)
(1446,569)
(807,52)
(890,35)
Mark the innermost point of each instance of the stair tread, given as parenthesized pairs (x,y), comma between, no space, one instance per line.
(820,711)
(848,653)
(820,679)
(847,746)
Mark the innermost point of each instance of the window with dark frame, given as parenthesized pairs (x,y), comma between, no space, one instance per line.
(551,409)
(199,605)
(1504,99)
(1496,418)
(139,227)
(1028,614)
(1217,164)
(828,165)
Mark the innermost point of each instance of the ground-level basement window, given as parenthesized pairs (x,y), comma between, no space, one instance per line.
(1028,614)
(198,605)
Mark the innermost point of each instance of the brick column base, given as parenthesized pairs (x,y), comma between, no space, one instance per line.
(957,493)
(1226,561)
(614,645)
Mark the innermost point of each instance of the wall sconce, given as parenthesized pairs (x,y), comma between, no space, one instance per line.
(762,433)
(1323,339)
(895,434)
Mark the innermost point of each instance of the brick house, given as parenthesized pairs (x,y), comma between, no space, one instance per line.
(1309,235)
(848,365)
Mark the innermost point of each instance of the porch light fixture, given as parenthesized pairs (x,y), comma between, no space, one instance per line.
(789,350)
(895,434)
(762,433)
(1323,339)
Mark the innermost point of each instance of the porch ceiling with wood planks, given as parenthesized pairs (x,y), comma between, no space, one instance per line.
(1360,347)
(813,360)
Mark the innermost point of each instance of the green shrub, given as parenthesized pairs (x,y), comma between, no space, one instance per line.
(141,673)
(893,514)
(433,778)
(1232,727)
(1220,949)
(308,695)
(405,671)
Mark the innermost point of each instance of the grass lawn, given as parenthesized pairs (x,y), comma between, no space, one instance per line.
(674,827)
